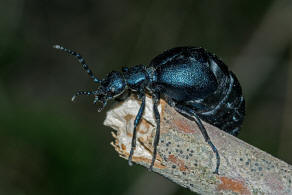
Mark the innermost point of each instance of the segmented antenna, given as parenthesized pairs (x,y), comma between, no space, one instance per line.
(81,61)
(79,93)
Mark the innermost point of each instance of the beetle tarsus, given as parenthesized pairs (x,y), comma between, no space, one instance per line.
(130,158)
(217,157)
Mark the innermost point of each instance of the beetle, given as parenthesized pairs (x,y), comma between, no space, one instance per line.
(192,80)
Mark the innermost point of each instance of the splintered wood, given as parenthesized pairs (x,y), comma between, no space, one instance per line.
(185,158)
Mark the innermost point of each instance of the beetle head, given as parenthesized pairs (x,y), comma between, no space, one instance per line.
(110,87)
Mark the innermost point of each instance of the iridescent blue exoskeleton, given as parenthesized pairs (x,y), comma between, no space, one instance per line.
(192,80)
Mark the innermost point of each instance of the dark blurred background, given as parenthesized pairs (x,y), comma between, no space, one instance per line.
(49,145)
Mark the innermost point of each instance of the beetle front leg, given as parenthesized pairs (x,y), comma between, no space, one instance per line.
(155,98)
(136,123)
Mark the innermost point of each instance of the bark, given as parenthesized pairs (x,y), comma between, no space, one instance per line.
(186,159)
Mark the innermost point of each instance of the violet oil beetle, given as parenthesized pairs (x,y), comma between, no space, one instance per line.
(192,80)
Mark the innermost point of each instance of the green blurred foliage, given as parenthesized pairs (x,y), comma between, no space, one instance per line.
(46,152)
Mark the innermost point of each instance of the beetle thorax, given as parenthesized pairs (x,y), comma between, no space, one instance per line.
(136,77)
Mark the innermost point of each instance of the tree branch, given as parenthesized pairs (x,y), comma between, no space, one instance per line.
(186,159)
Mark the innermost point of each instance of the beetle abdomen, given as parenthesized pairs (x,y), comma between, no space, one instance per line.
(200,80)
(228,114)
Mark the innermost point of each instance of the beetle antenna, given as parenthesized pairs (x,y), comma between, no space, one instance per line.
(79,93)
(81,61)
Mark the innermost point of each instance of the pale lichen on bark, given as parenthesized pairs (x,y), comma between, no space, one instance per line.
(185,158)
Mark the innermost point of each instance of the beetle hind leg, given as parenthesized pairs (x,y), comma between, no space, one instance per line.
(186,111)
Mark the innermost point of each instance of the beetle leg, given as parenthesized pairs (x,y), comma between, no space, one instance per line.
(155,98)
(136,123)
(190,113)
(208,140)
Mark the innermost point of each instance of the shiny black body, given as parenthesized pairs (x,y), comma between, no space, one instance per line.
(192,80)
(199,80)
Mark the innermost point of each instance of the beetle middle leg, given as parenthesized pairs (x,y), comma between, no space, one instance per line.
(184,110)
(136,123)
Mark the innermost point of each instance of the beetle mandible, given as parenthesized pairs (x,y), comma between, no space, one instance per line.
(192,80)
